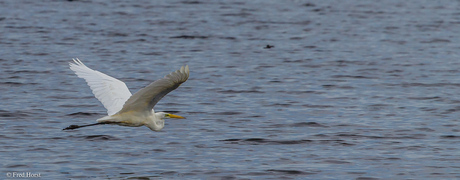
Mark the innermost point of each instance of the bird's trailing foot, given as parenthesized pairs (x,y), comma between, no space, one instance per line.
(77,126)
(71,127)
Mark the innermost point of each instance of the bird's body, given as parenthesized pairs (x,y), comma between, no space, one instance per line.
(154,121)
(125,109)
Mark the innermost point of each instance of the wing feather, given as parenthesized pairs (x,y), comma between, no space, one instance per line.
(146,98)
(111,92)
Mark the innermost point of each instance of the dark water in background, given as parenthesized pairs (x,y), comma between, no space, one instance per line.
(350,90)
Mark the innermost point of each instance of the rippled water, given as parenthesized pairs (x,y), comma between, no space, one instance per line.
(278,89)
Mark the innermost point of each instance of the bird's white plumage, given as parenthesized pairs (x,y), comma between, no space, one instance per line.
(126,109)
(111,92)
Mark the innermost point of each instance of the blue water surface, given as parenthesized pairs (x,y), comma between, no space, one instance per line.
(277,89)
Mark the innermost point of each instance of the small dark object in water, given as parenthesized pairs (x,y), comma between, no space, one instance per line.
(268,46)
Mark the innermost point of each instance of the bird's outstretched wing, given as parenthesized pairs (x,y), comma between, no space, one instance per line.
(111,92)
(146,98)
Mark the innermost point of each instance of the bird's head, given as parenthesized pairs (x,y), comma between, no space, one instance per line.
(157,122)
(163,115)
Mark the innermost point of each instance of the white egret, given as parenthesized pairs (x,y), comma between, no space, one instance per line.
(123,108)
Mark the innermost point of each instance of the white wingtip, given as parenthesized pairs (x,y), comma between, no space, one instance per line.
(77,62)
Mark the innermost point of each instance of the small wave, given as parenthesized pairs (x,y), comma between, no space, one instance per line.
(317,106)
(336,162)
(77,106)
(403,136)
(307,124)
(239,91)
(173,112)
(299,124)
(262,141)
(12,84)
(39,149)
(101,138)
(450,137)
(228,113)
(83,114)
(353,77)
(18,166)
(290,172)
(436,40)
(300,92)
(30,72)
(4,113)
(189,37)
(256,141)
(366,178)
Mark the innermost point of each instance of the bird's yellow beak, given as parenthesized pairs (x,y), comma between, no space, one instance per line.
(176,116)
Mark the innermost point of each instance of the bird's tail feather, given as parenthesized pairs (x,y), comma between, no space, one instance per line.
(106,119)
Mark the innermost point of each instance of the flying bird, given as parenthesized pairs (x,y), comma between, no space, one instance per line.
(123,108)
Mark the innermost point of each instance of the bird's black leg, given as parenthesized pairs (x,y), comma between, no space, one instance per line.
(78,126)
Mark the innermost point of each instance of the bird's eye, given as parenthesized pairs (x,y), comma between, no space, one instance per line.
(166,115)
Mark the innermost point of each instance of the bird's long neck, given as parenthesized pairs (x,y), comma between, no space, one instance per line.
(156,122)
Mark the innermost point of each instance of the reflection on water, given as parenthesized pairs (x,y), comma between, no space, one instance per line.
(349,89)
